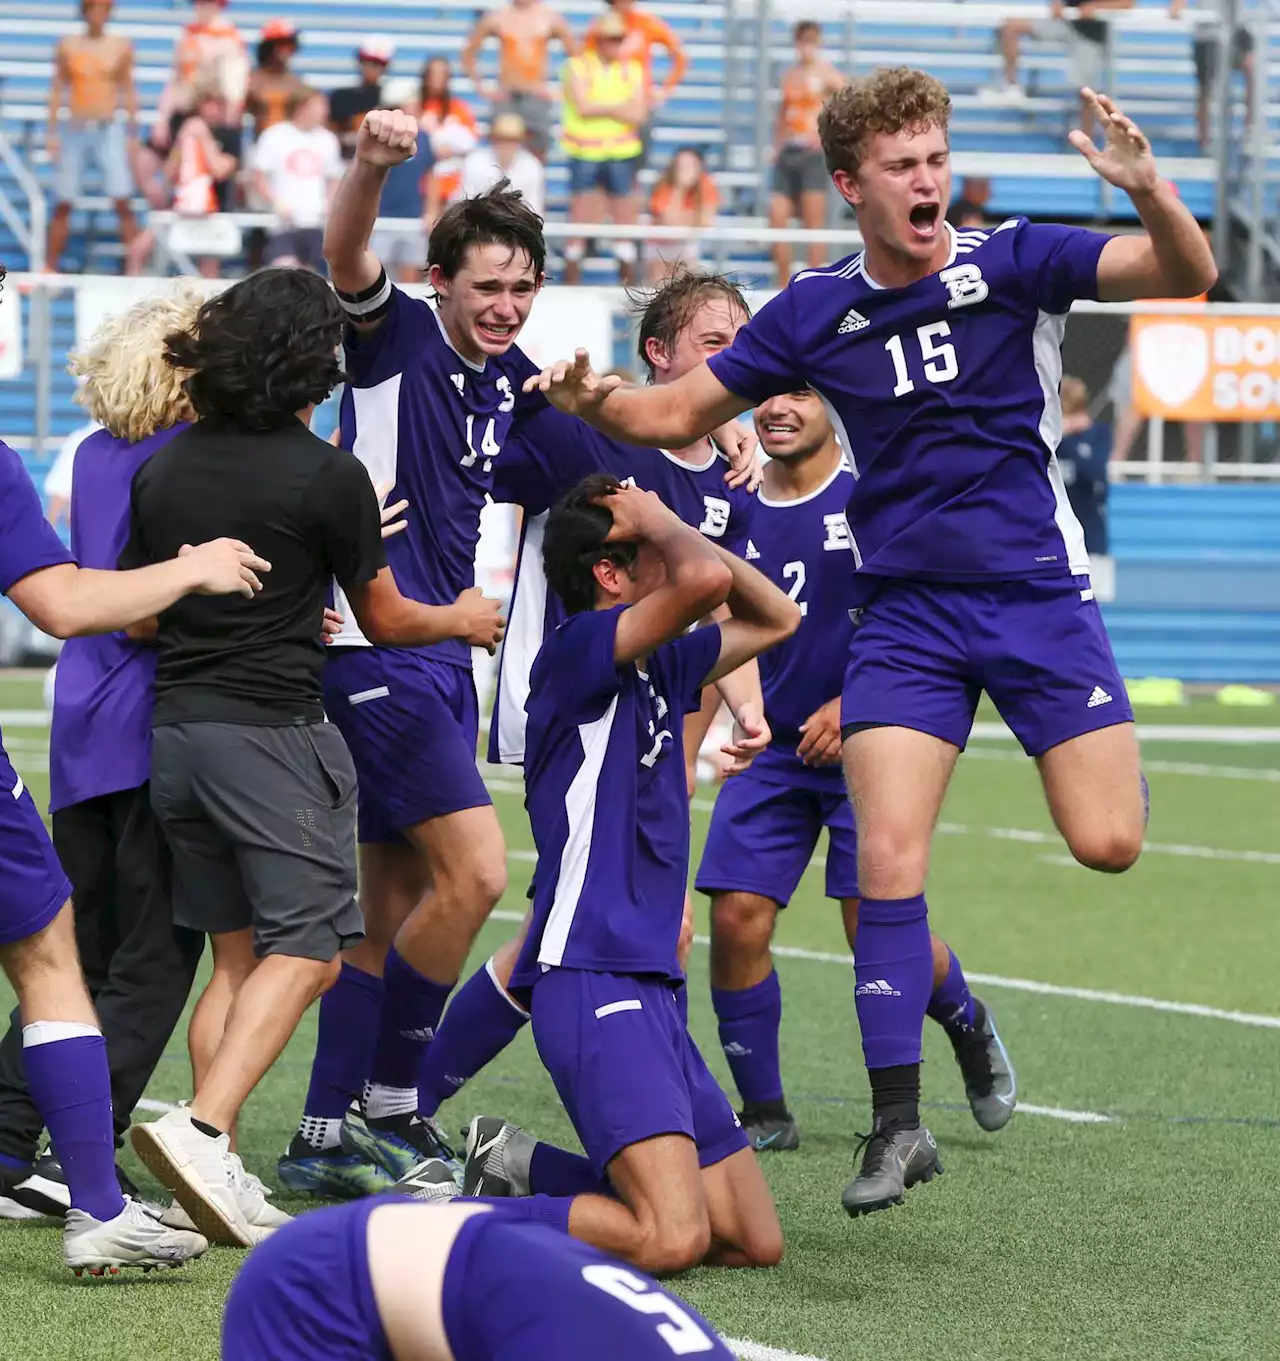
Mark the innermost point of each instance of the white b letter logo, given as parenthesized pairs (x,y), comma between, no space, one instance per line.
(965,285)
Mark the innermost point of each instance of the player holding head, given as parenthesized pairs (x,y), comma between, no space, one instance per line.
(767,822)
(607,802)
(686,318)
(458,1282)
(938,353)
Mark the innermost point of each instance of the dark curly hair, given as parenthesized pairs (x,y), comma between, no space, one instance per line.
(498,217)
(574,541)
(262,351)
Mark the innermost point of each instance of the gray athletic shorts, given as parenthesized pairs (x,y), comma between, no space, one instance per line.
(800,170)
(539,117)
(262,825)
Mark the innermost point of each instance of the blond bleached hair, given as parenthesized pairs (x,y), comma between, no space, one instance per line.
(892,99)
(126,384)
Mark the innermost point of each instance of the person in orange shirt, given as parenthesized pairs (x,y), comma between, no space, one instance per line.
(451,125)
(271,83)
(800,179)
(94,69)
(525,29)
(644,32)
(685,196)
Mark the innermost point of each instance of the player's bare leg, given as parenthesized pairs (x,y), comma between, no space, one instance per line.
(813,216)
(744,1220)
(1096,796)
(233,962)
(779,218)
(897,780)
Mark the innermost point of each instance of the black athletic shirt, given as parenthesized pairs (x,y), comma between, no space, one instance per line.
(306,507)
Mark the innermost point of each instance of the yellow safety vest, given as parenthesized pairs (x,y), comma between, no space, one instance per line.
(601,139)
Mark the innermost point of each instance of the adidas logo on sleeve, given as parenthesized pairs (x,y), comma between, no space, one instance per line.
(753,553)
(853,321)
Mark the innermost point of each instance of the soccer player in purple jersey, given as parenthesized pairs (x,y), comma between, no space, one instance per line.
(396,1278)
(668,1180)
(767,822)
(938,355)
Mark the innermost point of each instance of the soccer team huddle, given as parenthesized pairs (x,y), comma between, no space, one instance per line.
(291,713)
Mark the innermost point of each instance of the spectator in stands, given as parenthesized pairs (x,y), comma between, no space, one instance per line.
(524,29)
(604,107)
(271,83)
(643,32)
(505,157)
(209,50)
(297,165)
(1085,35)
(1206,44)
(94,69)
(1083,456)
(451,125)
(970,209)
(404,190)
(348,106)
(57,482)
(685,196)
(801,182)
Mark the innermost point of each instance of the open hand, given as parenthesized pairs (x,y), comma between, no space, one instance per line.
(573,385)
(751,736)
(391,525)
(820,736)
(1125,159)
(225,567)
(479,620)
(387,137)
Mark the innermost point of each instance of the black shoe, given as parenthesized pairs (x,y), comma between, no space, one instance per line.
(498,1158)
(770,1132)
(430,1180)
(397,1143)
(45,1190)
(989,1080)
(892,1163)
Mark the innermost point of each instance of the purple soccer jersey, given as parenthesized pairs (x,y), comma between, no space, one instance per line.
(945,397)
(433,424)
(32,884)
(101,734)
(548,455)
(605,790)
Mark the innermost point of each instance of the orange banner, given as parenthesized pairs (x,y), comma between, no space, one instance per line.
(1206,368)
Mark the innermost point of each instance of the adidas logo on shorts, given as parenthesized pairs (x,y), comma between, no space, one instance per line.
(853,321)
(1098,697)
(875,987)
(736,1050)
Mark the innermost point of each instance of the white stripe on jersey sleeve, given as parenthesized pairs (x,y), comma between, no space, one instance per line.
(1047,348)
(526,617)
(377,446)
(580,808)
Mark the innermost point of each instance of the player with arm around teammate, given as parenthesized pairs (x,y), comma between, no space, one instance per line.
(767,822)
(939,354)
(389,1277)
(668,1180)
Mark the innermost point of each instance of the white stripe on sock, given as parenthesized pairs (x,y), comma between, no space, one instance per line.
(50,1032)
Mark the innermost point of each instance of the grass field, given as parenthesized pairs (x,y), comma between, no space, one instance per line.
(1132,1210)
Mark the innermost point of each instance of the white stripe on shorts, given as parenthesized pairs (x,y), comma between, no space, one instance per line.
(19,787)
(364,696)
(632,1004)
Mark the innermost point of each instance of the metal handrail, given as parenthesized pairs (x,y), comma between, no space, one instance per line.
(33,237)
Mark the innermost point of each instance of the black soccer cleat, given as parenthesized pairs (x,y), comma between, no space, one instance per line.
(891,1164)
(989,1080)
(44,1188)
(770,1133)
(498,1158)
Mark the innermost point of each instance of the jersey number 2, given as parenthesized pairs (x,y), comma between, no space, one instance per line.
(794,572)
(489,446)
(940,360)
(679,1332)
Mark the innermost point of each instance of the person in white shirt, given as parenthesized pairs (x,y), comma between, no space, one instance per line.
(505,157)
(296,167)
(57,482)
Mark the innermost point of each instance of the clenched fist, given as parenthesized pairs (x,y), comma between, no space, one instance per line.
(387,137)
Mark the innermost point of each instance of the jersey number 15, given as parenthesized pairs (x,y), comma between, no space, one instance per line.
(939,359)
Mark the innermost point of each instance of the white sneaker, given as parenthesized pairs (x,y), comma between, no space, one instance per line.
(202,1173)
(1003,94)
(264,1219)
(135,1237)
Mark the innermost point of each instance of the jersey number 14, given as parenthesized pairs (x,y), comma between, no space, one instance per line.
(489,446)
(939,358)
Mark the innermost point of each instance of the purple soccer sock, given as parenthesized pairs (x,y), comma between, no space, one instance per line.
(749,1023)
(345,1041)
(951,1004)
(555,1172)
(481,1020)
(70,1084)
(411,1009)
(894,976)
(550,1210)
(10,1164)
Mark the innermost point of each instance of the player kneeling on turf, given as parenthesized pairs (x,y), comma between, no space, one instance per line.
(669,1180)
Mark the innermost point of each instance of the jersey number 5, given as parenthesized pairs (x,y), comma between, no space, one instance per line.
(940,360)
(489,446)
(679,1332)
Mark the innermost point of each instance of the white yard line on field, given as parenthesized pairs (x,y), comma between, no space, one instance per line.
(1269,775)
(1072,1117)
(753,1351)
(1168,732)
(147,1104)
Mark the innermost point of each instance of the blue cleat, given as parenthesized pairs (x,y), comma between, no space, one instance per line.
(334,1174)
(398,1143)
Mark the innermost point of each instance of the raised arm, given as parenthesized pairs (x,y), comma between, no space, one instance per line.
(386,138)
(1173,259)
(762,616)
(668,417)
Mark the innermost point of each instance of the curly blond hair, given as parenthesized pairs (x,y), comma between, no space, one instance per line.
(126,383)
(889,100)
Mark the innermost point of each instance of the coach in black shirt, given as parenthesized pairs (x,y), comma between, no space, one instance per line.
(255,791)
